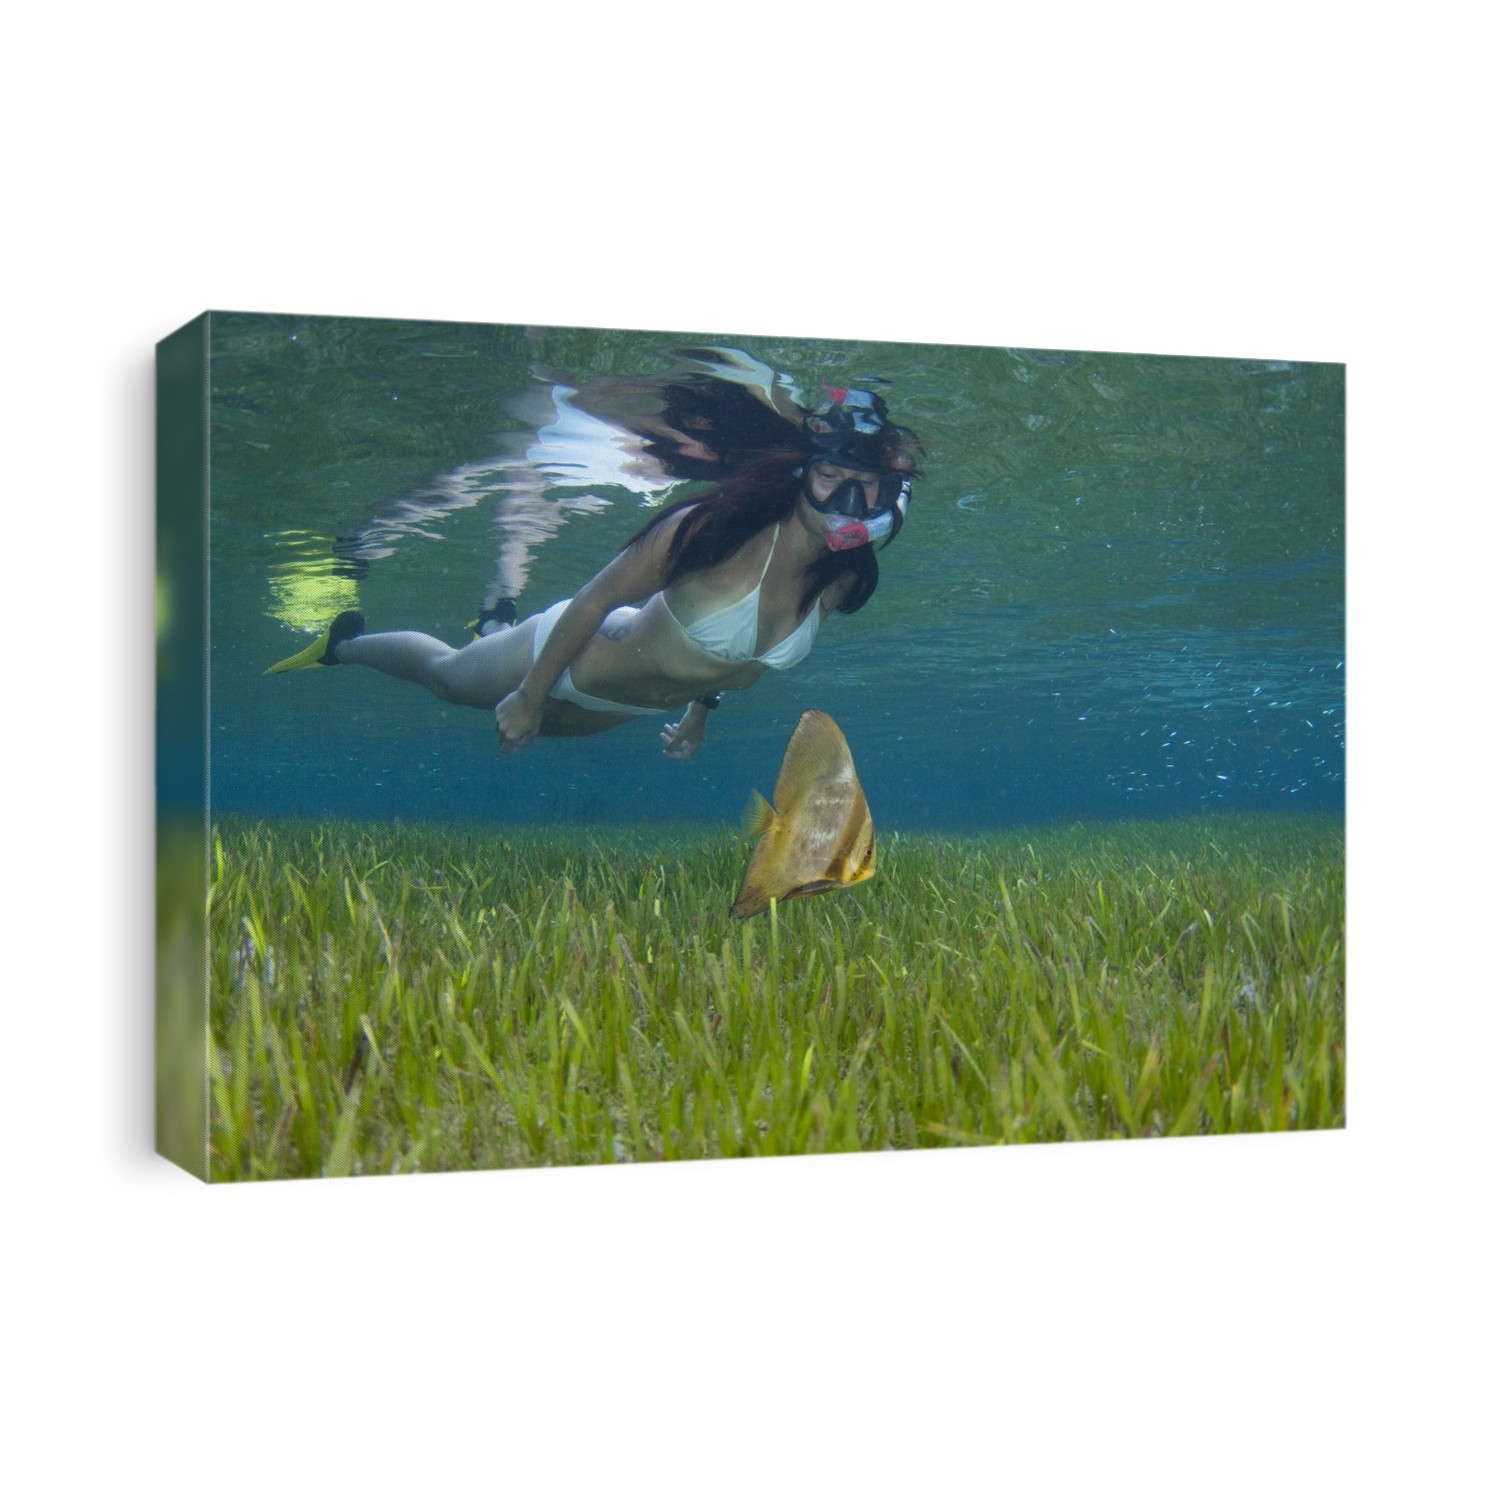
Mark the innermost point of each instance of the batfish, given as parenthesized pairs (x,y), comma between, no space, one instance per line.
(819,836)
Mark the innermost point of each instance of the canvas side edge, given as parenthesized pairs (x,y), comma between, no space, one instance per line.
(182,1035)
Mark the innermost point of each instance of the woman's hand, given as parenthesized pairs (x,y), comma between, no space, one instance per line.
(517,722)
(686,737)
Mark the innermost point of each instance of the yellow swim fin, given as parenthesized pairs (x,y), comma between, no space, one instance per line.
(321,652)
(492,617)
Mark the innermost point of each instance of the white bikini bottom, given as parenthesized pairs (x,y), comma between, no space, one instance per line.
(564,689)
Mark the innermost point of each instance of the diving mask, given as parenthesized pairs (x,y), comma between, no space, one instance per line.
(852,432)
(851,520)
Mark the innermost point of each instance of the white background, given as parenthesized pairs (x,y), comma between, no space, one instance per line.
(1290,1316)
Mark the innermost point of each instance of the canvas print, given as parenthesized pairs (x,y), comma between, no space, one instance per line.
(592,746)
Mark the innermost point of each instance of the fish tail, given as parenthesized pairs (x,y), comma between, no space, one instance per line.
(758,817)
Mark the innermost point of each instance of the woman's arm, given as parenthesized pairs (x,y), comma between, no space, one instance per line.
(636,573)
(688,735)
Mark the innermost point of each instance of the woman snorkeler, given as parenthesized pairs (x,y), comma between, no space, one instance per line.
(735,580)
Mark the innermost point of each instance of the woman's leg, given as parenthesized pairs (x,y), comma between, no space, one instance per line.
(478,675)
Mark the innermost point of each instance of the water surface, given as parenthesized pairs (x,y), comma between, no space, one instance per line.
(1119,593)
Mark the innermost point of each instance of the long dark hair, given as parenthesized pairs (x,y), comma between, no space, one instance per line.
(764,492)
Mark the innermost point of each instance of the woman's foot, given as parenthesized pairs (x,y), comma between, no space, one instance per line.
(323,651)
(497,616)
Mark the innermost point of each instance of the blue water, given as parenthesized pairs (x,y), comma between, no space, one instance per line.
(1119,592)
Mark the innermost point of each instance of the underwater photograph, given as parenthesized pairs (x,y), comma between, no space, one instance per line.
(629,746)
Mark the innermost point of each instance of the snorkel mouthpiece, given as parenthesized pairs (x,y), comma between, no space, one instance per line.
(844,535)
(847,537)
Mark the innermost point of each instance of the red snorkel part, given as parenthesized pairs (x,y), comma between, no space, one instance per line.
(847,537)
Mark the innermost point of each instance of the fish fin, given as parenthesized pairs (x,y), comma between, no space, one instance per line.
(817,753)
(761,880)
(759,816)
(749,903)
(755,890)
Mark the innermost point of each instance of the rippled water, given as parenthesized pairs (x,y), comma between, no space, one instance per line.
(1120,591)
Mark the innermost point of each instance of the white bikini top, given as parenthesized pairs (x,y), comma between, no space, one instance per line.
(731,633)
